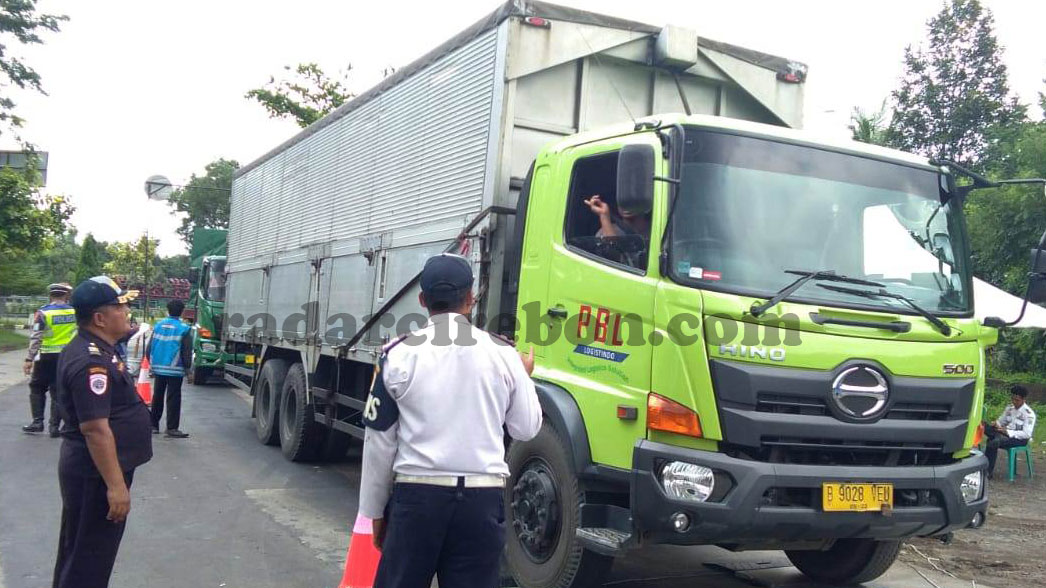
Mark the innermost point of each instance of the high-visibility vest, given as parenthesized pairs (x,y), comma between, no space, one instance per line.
(59,327)
(165,355)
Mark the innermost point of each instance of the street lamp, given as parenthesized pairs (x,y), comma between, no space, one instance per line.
(157,188)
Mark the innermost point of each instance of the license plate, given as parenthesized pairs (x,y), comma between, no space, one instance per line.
(856,497)
(248,359)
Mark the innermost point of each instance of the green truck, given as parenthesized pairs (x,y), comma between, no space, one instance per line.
(754,338)
(207,303)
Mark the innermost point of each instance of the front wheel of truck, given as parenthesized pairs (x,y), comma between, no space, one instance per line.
(543,506)
(848,561)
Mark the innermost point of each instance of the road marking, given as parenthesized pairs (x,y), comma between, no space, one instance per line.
(291,508)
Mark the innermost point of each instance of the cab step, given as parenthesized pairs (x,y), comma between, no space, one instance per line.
(604,541)
(605,529)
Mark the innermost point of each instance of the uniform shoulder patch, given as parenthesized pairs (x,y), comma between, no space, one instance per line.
(381,411)
(97,369)
(93,349)
(98,383)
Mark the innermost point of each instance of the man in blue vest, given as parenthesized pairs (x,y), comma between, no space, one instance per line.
(54,326)
(170,352)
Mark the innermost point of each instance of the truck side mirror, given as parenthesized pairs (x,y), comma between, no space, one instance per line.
(635,179)
(942,246)
(194,275)
(1037,275)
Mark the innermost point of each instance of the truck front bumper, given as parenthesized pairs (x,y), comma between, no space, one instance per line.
(208,354)
(781,503)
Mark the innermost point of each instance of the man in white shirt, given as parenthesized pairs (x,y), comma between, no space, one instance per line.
(434,452)
(1013,429)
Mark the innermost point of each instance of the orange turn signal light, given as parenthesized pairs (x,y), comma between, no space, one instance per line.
(979,435)
(667,415)
(206,333)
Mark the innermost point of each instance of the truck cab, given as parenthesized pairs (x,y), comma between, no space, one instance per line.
(209,308)
(772,347)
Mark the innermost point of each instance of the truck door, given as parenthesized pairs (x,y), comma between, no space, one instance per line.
(601,289)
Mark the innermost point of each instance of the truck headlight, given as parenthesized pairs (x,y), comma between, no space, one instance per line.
(972,486)
(209,347)
(687,481)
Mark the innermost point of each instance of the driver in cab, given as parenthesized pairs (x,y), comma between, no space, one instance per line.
(622,224)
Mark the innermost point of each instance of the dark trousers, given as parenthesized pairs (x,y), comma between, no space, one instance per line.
(456,534)
(41,382)
(997,441)
(171,387)
(88,542)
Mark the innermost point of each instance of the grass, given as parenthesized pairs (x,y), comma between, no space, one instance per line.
(11,340)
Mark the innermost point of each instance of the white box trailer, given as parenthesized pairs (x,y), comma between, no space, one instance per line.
(333,225)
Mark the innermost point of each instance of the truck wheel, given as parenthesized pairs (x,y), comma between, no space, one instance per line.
(301,437)
(198,376)
(543,503)
(849,561)
(267,400)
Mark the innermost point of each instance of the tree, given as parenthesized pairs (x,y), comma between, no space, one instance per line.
(954,101)
(20,22)
(91,259)
(135,262)
(205,199)
(869,127)
(307,96)
(59,262)
(28,219)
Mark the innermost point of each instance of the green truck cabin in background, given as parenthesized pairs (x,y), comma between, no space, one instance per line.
(207,272)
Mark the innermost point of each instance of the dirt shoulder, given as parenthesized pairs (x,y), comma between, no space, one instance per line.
(1007,552)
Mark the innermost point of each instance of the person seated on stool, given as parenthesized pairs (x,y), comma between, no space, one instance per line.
(1013,429)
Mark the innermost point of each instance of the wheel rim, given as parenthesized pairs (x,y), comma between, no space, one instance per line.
(535,510)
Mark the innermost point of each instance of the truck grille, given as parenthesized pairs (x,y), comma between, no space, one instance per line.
(815,451)
(909,411)
(783,415)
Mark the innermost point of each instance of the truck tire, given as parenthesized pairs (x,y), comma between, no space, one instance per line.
(267,400)
(849,561)
(301,437)
(198,376)
(543,505)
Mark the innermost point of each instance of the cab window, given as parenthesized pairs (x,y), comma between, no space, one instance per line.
(594,224)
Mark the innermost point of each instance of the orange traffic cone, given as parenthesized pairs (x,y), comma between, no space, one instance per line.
(361,561)
(145,387)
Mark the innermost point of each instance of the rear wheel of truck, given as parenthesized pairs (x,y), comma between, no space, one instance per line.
(301,437)
(849,561)
(267,400)
(543,507)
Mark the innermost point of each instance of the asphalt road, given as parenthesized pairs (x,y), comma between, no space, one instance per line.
(221,510)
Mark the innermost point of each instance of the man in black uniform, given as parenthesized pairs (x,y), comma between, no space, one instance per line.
(105,436)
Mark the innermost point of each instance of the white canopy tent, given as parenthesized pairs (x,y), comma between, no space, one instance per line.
(991,301)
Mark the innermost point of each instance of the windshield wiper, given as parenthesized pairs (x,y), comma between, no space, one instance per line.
(758,309)
(941,325)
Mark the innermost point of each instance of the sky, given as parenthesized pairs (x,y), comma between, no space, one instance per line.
(144,87)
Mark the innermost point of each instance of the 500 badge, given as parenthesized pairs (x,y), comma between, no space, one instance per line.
(958,369)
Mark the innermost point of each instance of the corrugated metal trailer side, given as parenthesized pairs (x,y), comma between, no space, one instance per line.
(327,228)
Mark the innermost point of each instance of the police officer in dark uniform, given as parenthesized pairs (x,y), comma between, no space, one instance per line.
(434,466)
(105,436)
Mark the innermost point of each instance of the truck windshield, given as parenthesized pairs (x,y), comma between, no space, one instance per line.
(213,284)
(751,208)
